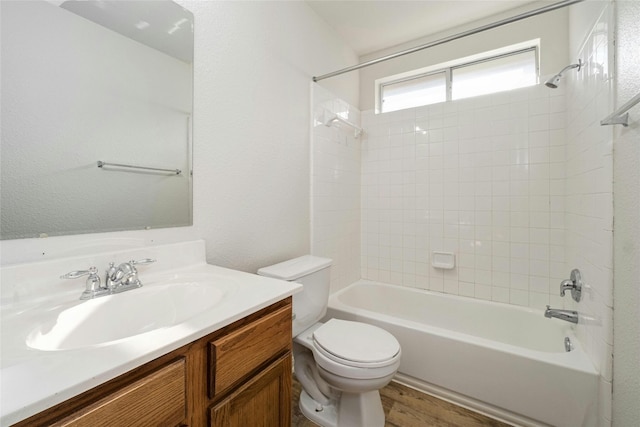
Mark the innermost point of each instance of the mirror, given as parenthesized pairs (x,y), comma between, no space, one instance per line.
(89,81)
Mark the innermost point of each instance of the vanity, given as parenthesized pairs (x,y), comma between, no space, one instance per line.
(196,345)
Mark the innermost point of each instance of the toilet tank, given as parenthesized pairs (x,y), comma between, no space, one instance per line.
(313,273)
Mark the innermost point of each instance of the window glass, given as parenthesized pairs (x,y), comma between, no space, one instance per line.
(494,75)
(414,92)
(463,78)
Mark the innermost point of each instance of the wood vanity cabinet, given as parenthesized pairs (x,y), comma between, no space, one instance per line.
(238,376)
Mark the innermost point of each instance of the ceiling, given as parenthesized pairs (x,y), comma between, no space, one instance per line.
(159,24)
(369,26)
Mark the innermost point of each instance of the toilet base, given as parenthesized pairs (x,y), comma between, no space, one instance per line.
(353,410)
(327,417)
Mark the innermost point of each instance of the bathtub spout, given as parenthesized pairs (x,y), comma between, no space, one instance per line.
(568,315)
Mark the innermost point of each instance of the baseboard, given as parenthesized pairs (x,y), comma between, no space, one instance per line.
(467,402)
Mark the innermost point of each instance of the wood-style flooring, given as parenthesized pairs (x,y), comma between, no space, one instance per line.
(406,407)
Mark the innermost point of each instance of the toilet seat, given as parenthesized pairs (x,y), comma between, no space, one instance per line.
(356,344)
(356,350)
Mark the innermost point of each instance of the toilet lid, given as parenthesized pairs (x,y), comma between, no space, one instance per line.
(356,342)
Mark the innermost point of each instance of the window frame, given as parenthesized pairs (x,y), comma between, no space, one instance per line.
(447,69)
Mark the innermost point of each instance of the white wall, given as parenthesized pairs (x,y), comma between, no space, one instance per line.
(480,177)
(626,156)
(335,188)
(253,66)
(252,119)
(60,118)
(589,175)
(551,28)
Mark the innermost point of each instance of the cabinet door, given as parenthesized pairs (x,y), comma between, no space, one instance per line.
(157,399)
(264,401)
(233,357)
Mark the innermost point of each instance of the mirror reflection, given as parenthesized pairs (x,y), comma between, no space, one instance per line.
(90,81)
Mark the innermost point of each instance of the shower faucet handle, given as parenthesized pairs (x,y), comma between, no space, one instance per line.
(565,285)
(574,284)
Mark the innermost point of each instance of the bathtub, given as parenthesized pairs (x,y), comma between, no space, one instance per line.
(505,361)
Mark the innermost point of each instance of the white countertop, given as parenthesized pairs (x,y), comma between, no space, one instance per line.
(34,380)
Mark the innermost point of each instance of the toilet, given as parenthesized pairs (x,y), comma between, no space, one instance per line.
(340,364)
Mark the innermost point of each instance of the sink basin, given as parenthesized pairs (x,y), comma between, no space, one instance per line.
(105,320)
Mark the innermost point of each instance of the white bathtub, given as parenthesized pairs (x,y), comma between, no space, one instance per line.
(505,361)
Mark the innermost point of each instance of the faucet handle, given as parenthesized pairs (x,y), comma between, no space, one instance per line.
(565,285)
(93,287)
(128,274)
(80,273)
(142,261)
(574,284)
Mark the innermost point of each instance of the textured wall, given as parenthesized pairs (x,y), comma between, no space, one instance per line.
(253,65)
(626,377)
(252,108)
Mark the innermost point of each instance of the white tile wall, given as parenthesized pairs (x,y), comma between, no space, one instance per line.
(482,178)
(589,199)
(335,188)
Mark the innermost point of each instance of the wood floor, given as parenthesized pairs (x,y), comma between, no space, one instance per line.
(406,407)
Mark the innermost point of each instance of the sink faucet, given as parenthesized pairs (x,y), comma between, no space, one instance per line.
(568,315)
(118,279)
(125,276)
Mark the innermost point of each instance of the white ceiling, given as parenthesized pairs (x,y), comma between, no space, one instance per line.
(368,26)
(159,24)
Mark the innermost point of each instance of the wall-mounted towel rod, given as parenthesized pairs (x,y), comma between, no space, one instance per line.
(357,130)
(175,171)
(620,116)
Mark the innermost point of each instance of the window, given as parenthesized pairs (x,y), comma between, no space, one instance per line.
(414,91)
(466,78)
(507,72)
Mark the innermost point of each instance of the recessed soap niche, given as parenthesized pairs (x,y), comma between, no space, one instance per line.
(443,260)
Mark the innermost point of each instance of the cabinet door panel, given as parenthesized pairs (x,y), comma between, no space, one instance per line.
(234,356)
(157,399)
(264,401)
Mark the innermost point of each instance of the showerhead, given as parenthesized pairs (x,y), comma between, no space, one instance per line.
(553,81)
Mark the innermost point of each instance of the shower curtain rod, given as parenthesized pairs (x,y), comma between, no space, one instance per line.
(476,30)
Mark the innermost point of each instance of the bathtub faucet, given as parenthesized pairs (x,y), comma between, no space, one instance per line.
(568,315)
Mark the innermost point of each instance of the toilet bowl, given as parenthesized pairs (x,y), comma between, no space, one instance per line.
(340,364)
